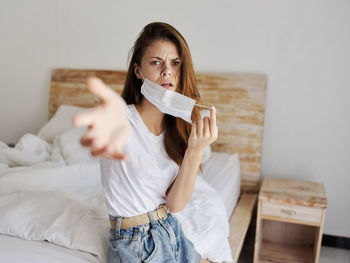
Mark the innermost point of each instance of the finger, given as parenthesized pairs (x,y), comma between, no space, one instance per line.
(118,156)
(114,148)
(98,143)
(212,120)
(194,129)
(206,130)
(98,152)
(87,142)
(122,157)
(200,128)
(101,90)
(105,152)
(113,156)
(89,139)
(84,119)
(93,140)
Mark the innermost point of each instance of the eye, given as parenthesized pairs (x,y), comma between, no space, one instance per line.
(155,62)
(176,63)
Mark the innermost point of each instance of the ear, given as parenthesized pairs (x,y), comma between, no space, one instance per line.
(137,71)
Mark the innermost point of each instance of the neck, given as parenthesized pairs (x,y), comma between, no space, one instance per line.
(151,116)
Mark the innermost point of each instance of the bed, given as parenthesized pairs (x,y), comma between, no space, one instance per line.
(240,103)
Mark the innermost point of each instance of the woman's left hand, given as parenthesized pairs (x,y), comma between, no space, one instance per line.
(203,132)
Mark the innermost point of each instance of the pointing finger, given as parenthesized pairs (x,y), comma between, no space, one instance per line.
(97,87)
(212,119)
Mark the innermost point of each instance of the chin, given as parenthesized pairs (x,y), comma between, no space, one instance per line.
(170,88)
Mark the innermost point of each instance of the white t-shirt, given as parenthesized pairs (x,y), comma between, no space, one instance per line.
(138,185)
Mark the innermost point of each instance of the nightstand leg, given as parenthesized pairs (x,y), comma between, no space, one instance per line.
(257,235)
(318,238)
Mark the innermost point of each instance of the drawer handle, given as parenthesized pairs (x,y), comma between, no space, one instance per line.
(289,212)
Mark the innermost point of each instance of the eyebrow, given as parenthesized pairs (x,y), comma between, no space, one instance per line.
(162,59)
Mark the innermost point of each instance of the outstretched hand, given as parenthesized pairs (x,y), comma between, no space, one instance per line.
(108,125)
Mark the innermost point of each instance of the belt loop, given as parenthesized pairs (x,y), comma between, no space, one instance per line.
(166,208)
(151,218)
(118,224)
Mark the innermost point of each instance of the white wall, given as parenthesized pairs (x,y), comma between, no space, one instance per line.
(302,46)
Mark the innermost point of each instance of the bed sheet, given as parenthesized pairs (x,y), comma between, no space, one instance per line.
(14,250)
(222,172)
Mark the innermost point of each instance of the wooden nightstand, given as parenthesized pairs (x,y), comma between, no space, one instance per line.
(290,221)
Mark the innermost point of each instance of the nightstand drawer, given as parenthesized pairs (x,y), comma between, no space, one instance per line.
(294,212)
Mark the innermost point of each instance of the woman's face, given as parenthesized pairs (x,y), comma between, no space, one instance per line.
(161,64)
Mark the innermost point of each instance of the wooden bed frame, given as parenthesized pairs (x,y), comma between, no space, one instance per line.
(240,103)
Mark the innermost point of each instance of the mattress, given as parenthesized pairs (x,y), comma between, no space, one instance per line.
(222,172)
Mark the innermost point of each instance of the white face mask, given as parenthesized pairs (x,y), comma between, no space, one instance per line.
(168,101)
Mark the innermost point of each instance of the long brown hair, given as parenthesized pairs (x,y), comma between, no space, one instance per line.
(177,131)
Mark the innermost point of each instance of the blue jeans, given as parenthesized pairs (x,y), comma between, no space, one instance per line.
(158,241)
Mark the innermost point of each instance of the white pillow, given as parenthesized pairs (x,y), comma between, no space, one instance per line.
(205,223)
(222,172)
(71,149)
(60,122)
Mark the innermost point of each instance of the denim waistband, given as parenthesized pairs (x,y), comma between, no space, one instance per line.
(138,228)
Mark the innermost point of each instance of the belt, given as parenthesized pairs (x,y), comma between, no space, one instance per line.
(160,213)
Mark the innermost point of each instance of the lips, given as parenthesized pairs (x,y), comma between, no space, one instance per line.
(167,84)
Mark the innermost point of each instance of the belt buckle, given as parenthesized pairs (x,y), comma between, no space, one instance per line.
(166,210)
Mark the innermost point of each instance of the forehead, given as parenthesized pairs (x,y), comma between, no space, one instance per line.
(161,48)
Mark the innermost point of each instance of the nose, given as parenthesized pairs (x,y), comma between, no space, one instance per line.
(166,70)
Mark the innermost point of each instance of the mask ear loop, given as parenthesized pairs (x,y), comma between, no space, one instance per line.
(202,106)
(143,78)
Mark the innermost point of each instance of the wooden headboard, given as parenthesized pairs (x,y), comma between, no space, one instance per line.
(238,98)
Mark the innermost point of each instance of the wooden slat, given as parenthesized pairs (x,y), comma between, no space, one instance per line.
(68,86)
(238,98)
(240,103)
(239,223)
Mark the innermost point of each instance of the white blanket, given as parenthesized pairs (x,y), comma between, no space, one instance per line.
(54,193)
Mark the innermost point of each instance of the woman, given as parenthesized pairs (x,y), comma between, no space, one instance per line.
(149,158)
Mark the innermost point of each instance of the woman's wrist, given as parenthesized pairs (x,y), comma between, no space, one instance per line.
(193,152)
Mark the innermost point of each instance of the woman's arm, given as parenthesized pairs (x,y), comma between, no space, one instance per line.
(108,125)
(203,133)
